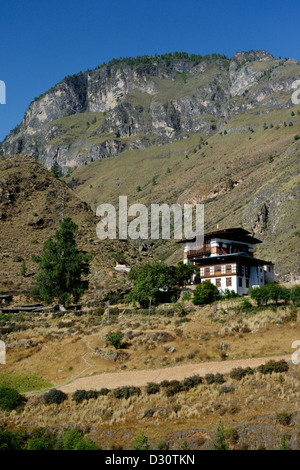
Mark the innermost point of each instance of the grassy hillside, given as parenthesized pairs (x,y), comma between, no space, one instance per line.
(31,208)
(248,176)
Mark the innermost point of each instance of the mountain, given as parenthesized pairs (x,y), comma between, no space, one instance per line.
(32,201)
(180,128)
(131,104)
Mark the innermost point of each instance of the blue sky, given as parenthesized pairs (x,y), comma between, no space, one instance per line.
(41,41)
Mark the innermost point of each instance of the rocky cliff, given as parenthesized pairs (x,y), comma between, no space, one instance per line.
(133,104)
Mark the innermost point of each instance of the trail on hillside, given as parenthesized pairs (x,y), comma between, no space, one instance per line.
(140,378)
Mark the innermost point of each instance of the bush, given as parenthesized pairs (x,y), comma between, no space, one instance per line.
(126,392)
(283,418)
(193,381)
(273,366)
(240,373)
(10,440)
(205,293)
(54,396)
(74,440)
(149,413)
(295,295)
(115,339)
(152,388)
(10,398)
(80,395)
(226,389)
(214,378)
(141,442)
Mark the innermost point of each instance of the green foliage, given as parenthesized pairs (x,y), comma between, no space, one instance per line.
(205,293)
(152,388)
(10,398)
(163,446)
(80,395)
(284,442)
(151,280)
(56,171)
(273,366)
(284,418)
(297,137)
(239,373)
(295,295)
(54,396)
(185,446)
(138,188)
(62,266)
(115,339)
(184,273)
(142,442)
(74,440)
(271,291)
(11,440)
(220,442)
(126,392)
(214,379)
(166,59)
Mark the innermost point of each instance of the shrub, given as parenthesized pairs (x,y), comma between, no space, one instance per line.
(10,440)
(10,398)
(126,392)
(141,442)
(232,435)
(103,392)
(152,388)
(54,396)
(226,389)
(115,339)
(74,440)
(165,383)
(149,413)
(214,378)
(273,366)
(295,295)
(80,395)
(205,293)
(238,373)
(163,446)
(220,442)
(284,418)
(193,381)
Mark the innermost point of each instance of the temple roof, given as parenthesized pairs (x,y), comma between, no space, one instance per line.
(235,234)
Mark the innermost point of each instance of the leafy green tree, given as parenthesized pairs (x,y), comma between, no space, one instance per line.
(277,292)
(205,293)
(295,295)
(150,280)
(115,339)
(184,272)
(259,294)
(219,442)
(10,398)
(62,266)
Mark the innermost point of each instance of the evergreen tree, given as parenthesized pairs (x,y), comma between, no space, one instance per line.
(62,266)
(219,439)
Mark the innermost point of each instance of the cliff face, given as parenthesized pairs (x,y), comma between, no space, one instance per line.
(101,113)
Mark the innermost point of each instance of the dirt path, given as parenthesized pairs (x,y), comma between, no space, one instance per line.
(142,377)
